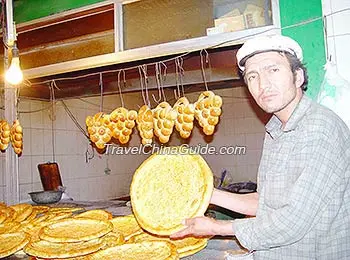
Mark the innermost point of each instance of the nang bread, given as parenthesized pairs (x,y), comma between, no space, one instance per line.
(126,225)
(185,246)
(168,188)
(12,242)
(155,250)
(193,251)
(75,230)
(46,249)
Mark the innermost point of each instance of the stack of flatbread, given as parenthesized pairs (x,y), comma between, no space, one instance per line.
(166,189)
(60,233)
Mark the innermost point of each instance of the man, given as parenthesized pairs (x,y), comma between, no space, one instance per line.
(302,205)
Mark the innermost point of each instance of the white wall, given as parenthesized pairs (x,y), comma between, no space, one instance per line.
(338,34)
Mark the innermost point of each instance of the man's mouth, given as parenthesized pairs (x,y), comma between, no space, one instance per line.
(268,96)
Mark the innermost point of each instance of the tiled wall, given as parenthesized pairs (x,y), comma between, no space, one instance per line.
(84,180)
(338,33)
(239,126)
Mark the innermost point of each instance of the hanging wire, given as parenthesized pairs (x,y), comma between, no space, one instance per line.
(202,68)
(163,79)
(88,154)
(182,74)
(177,93)
(156,68)
(17,101)
(124,78)
(120,90)
(75,121)
(144,71)
(141,84)
(101,88)
(52,116)
(52,109)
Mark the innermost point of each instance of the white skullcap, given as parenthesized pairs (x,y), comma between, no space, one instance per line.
(267,43)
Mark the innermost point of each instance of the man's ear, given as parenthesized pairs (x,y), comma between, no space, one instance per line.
(299,78)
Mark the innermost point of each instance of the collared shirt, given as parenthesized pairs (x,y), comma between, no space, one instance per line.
(304,189)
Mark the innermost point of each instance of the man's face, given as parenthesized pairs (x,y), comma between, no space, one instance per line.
(271,81)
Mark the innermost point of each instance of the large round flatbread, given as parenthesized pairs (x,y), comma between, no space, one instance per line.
(127,225)
(22,211)
(188,245)
(155,250)
(168,188)
(2,217)
(75,230)
(98,214)
(193,251)
(12,242)
(46,249)
(9,227)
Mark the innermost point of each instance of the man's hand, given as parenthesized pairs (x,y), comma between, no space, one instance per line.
(203,226)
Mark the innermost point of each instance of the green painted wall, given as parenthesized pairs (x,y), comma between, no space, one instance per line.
(27,10)
(310,36)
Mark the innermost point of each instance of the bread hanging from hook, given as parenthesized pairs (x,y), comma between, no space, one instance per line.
(98,129)
(122,123)
(145,124)
(16,137)
(4,134)
(164,117)
(208,110)
(185,117)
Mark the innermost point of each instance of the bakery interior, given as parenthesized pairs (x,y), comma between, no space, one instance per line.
(80,58)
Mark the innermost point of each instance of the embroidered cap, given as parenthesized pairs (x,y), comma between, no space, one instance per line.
(267,43)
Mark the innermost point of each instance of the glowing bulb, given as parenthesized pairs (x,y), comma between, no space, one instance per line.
(14,74)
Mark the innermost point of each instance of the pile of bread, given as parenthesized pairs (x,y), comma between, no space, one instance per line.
(44,232)
(158,122)
(13,134)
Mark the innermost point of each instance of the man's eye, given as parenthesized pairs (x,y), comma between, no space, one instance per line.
(252,77)
(275,69)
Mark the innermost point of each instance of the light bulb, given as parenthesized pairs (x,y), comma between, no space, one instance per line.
(14,74)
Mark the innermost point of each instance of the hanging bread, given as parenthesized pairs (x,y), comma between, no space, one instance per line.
(185,117)
(16,136)
(122,123)
(98,130)
(207,111)
(164,117)
(5,132)
(145,124)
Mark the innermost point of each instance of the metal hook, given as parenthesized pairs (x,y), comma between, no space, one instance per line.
(203,71)
(120,90)
(141,84)
(158,85)
(101,88)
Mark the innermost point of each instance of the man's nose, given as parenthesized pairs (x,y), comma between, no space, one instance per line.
(265,82)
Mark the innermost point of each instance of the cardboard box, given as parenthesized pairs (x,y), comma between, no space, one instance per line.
(231,24)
